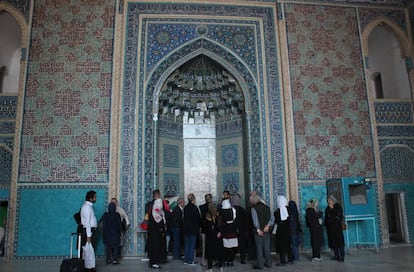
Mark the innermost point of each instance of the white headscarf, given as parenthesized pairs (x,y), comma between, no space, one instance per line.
(157,210)
(225,204)
(281,204)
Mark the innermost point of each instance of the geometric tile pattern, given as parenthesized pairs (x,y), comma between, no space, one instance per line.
(230,155)
(22,5)
(397,163)
(66,118)
(330,107)
(396,16)
(231,182)
(6,159)
(8,107)
(398,131)
(229,129)
(7,141)
(394,112)
(171,156)
(171,184)
(7,127)
(224,37)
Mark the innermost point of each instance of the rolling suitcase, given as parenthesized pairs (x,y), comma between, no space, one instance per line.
(73,264)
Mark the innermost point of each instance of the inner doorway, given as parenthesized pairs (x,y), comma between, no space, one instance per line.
(201,135)
(397,218)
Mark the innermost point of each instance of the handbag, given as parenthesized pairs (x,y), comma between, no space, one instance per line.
(145,223)
(89,255)
(343,225)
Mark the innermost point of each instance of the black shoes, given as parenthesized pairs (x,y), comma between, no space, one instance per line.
(154,266)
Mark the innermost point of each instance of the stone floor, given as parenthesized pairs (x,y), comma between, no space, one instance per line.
(399,258)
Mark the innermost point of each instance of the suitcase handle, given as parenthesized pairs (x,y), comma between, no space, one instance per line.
(71,243)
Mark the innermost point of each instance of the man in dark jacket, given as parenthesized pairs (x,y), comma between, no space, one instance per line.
(263,220)
(192,220)
(177,227)
(203,210)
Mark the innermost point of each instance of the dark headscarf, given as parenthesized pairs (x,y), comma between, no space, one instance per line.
(294,218)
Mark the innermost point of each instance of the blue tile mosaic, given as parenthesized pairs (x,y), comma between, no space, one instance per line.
(6,160)
(171,156)
(8,107)
(171,184)
(394,113)
(231,182)
(230,155)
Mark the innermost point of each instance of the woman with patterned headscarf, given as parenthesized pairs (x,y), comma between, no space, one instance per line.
(156,234)
(282,240)
(333,218)
(228,231)
(313,222)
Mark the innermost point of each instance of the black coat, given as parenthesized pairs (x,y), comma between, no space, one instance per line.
(112,227)
(203,211)
(315,229)
(241,220)
(214,245)
(282,240)
(192,219)
(333,218)
(177,218)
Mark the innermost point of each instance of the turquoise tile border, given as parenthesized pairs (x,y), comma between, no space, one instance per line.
(44,219)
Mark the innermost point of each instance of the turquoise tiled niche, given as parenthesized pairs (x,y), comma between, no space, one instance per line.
(45,219)
(307,192)
(408,189)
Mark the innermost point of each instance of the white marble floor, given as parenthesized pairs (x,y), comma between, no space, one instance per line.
(387,259)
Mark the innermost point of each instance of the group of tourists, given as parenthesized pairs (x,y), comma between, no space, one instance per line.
(217,231)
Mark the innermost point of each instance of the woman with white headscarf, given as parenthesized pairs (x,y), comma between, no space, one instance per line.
(282,239)
(228,231)
(156,234)
(313,222)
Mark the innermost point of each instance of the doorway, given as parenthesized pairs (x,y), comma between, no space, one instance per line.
(200,130)
(397,218)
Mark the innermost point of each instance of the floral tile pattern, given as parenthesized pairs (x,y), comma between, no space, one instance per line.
(332,124)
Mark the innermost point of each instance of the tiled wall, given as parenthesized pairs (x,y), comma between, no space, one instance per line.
(330,106)
(65,137)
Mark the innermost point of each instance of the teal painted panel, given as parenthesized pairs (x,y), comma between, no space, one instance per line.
(308,192)
(4,193)
(361,231)
(45,219)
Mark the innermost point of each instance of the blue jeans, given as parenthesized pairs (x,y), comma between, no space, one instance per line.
(296,240)
(189,247)
(176,235)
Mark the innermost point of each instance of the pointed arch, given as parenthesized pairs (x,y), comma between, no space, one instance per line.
(402,38)
(203,51)
(20,20)
(222,61)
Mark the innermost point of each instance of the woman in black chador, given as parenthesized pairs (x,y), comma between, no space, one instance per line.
(156,234)
(112,226)
(313,222)
(282,239)
(333,218)
(214,242)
